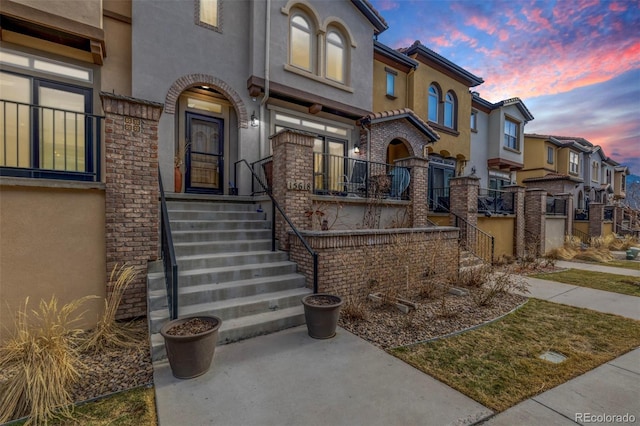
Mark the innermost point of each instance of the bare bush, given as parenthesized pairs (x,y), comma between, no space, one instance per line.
(475,276)
(501,283)
(354,309)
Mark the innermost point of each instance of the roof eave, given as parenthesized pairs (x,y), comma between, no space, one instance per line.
(371,14)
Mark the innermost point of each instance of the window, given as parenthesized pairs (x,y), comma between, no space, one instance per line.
(549,155)
(335,57)
(208,13)
(474,120)
(511,134)
(574,164)
(608,176)
(301,43)
(595,167)
(434,98)
(47,131)
(391,84)
(449,110)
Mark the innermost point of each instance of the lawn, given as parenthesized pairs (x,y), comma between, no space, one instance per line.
(622,284)
(135,407)
(627,264)
(498,364)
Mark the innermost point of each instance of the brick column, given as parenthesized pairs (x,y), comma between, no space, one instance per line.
(463,195)
(419,170)
(535,205)
(596,219)
(292,180)
(518,210)
(568,221)
(618,214)
(131,194)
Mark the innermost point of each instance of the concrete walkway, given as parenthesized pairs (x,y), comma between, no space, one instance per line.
(288,378)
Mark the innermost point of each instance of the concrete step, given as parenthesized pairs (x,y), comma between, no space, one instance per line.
(220,260)
(223,274)
(205,206)
(215,215)
(192,236)
(244,327)
(215,247)
(468,259)
(195,294)
(217,225)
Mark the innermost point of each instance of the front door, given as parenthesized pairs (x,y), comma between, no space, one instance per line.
(204,154)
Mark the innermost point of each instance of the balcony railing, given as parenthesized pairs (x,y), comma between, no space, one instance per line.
(608,212)
(345,176)
(493,201)
(50,143)
(556,206)
(439,200)
(581,214)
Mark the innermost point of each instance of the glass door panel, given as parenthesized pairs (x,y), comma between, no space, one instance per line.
(205,154)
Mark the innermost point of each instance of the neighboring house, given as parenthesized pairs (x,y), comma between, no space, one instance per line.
(497,140)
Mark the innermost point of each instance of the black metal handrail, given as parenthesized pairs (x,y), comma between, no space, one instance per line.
(496,201)
(168,255)
(556,206)
(471,238)
(263,169)
(55,143)
(439,199)
(275,206)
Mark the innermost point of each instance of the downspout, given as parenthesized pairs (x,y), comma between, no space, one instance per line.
(265,98)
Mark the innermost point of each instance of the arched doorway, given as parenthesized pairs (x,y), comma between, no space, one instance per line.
(397,149)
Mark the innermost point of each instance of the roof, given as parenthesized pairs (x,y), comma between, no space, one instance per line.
(552,177)
(394,55)
(511,101)
(371,14)
(396,114)
(562,141)
(417,48)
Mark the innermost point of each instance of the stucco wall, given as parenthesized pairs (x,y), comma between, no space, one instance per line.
(502,229)
(380,100)
(116,71)
(480,149)
(554,233)
(440,219)
(52,243)
(86,11)
(582,226)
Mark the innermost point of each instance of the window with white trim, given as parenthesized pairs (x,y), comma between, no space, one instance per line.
(511,131)
(449,110)
(391,84)
(549,155)
(335,56)
(301,42)
(574,163)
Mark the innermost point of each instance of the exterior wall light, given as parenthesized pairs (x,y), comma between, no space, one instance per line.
(356,149)
(254,120)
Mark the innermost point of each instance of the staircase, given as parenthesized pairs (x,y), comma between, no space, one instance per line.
(227,269)
(469,261)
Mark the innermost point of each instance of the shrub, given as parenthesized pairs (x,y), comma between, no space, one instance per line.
(354,309)
(474,276)
(42,358)
(501,282)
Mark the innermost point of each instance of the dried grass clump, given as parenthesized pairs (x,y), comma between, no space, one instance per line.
(474,276)
(354,309)
(562,253)
(501,283)
(594,255)
(108,332)
(43,358)
(621,243)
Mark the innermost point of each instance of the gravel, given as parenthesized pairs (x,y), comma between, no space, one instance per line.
(386,327)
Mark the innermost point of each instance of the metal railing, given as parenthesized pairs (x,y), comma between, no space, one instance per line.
(262,171)
(49,143)
(583,237)
(346,176)
(475,240)
(275,206)
(494,201)
(608,212)
(439,200)
(556,206)
(168,255)
(581,214)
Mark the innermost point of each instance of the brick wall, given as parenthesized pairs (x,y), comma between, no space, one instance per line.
(356,263)
(131,194)
(418,187)
(535,206)
(385,132)
(596,219)
(463,195)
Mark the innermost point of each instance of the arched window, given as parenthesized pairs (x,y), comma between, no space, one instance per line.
(301,42)
(335,60)
(449,110)
(434,96)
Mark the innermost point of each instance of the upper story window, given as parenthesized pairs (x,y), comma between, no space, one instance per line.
(449,110)
(574,163)
(511,131)
(474,120)
(608,176)
(208,14)
(336,52)
(391,82)
(595,168)
(434,100)
(549,155)
(301,44)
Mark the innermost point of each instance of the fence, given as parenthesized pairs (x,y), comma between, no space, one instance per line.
(556,207)
(608,212)
(439,200)
(493,201)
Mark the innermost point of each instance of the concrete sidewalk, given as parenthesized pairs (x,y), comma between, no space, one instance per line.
(611,389)
(288,378)
(599,268)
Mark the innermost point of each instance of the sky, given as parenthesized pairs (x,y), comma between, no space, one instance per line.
(574,63)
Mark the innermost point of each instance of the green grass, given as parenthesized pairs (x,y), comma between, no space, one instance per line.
(498,365)
(622,284)
(627,264)
(135,407)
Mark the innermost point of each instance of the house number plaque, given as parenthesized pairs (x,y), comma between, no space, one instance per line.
(298,185)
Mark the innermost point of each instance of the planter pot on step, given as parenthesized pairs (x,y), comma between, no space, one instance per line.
(190,351)
(321,312)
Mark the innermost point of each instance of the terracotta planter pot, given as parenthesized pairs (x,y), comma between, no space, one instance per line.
(321,313)
(177,180)
(191,355)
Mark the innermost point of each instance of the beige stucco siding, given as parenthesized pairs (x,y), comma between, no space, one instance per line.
(502,229)
(52,241)
(380,100)
(86,11)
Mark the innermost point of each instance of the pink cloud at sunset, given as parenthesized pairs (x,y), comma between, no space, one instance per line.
(556,52)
